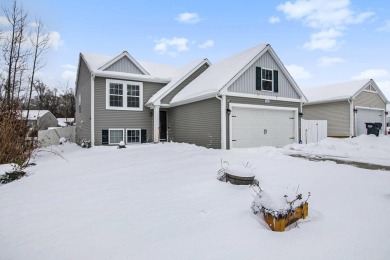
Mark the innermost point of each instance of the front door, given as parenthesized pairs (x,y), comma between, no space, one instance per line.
(163,125)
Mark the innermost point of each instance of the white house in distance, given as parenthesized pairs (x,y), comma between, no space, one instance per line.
(347,107)
(40,119)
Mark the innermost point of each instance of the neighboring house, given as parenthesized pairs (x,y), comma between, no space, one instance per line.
(247,100)
(40,119)
(62,122)
(346,106)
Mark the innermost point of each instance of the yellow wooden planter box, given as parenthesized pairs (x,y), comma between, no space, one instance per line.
(280,225)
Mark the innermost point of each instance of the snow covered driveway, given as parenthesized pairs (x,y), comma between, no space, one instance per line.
(163,202)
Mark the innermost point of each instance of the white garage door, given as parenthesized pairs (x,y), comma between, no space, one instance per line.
(253,127)
(367,116)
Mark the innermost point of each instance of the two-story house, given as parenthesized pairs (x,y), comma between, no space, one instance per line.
(246,100)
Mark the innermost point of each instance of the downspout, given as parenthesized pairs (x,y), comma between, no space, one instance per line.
(351,118)
(223,121)
(92,109)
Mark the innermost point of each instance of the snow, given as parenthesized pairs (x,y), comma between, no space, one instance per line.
(218,75)
(364,148)
(338,91)
(63,121)
(163,201)
(240,170)
(34,114)
(181,74)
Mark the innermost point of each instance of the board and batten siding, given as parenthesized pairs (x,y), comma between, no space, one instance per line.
(167,99)
(105,118)
(256,101)
(336,113)
(246,83)
(124,65)
(369,99)
(83,119)
(196,123)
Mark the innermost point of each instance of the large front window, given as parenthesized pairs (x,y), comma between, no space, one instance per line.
(124,95)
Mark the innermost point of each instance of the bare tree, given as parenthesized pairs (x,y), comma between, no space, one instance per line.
(40,42)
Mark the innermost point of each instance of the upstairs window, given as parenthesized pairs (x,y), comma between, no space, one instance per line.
(124,95)
(267,80)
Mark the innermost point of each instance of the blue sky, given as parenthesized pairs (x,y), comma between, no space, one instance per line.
(319,41)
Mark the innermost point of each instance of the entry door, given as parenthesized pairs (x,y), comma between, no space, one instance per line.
(163,125)
(253,127)
(367,116)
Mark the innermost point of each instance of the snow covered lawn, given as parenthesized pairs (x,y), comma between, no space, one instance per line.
(164,202)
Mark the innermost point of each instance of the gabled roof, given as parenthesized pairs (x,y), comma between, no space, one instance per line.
(180,76)
(222,74)
(34,114)
(340,91)
(154,72)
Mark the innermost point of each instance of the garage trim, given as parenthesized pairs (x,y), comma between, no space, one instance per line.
(233,105)
(371,108)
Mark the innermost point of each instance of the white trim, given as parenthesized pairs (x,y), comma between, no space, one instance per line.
(130,76)
(236,94)
(194,99)
(232,105)
(370,91)
(372,108)
(156,124)
(272,80)
(137,129)
(327,101)
(223,122)
(120,56)
(351,118)
(109,135)
(124,95)
(92,110)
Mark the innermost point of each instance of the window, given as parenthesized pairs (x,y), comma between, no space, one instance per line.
(266,80)
(115,136)
(124,95)
(133,136)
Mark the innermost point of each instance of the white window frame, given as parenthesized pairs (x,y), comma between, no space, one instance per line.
(124,96)
(137,129)
(272,80)
(109,134)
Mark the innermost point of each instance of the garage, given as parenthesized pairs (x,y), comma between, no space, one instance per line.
(257,126)
(367,115)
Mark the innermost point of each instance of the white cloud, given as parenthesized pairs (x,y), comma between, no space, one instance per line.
(329,61)
(274,19)
(55,40)
(206,44)
(69,75)
(385,87)
(189,18)
(385,27)
(171,46)
(69,66)
(34,24)
(323,15)
(372,74)
(4,21)
(298,72)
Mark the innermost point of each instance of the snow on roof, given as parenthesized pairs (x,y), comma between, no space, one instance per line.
(338,91)
(213,79)
(95,61)
(64,121)
(34,114)
(181,74)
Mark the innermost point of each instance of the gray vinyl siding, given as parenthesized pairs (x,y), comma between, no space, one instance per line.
(255,101)
(83,119)
(246,83)
(368,99)
(124,65)
(196,123)
(167,99)
(336,113)
(106,119)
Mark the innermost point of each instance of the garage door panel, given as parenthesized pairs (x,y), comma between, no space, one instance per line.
(367,116)
(252,127)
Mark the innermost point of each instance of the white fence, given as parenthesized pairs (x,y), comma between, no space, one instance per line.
(52,136)
(313,131)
